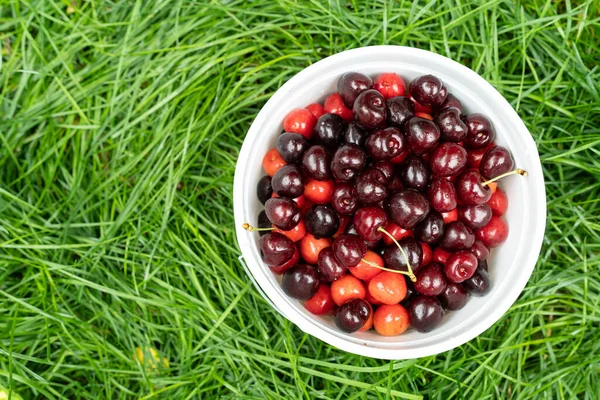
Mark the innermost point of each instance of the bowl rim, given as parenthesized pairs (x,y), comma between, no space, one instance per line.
(308,326)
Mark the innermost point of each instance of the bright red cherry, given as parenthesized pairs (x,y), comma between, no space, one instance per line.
(391,320)
(335,105)
(367,221)
(498,202)
(319,192)
(440,255)
(272,161)
(427,253)
(494,233)
(296,233)
(396,231)
(316,109)
(301,121)
(322,302)
(390,85)
(460,266)
(450,216)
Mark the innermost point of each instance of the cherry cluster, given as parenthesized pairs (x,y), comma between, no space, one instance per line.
(381,206)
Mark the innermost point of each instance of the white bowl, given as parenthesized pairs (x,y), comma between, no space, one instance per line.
(510,265)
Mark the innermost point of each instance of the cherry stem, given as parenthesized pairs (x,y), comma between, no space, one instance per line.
(410,272)
(250,228)
(372,264)
(517,171)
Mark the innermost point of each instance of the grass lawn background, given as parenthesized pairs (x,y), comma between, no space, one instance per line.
(120,126)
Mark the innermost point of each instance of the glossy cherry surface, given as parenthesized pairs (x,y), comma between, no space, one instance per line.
(387,167)
(264,190)
(315,163)
(451,101)
(367,220)
(385,144)
(370,109)
(343,200)
(329,129)
(322,302)
(407,208)
(426,313)
(452,128)
(460,266)
(263,222)
(387,288)
(349,249)
(442,195)
(431,229)
(475,217)
(415,172)
(431,280)
(300,120)
(335,105)
(322,221)
(348,161)
(291,146)
(275,248)
(498,202)
(480,131)
(351,84)
(282,212)
(470,189)
(454,297)
(480,251)
(421,134)
(370,187)
(448,159)
(391,320)
(394,259)
(288,181)
(354,134)
(351,316)
(400,110)
(330,269)
(494,233)
(496,161)
(428,90)
(390,85)
(479,284)
(456,236)
(301,281)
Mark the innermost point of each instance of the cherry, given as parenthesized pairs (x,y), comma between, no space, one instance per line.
(395,184)
(420,108)
(365,270)
(427,254)
(454,297)
(442,195)
(348,161)
(322,221)
(301,121)
(344,221)
(369,324)
(370,109)
(319,192)
(425,313)
(483,264)
(407,208)
(264,190)
(372,300)
(494,233)
(452,128)
(335,105)
(470,188)
(301,281)
(349,249)
(389,85)
(396,232)
(431,280)
(291,146)
(263,223)
(330,269)
(475,216)
(343,200)
(372,244)
(440,255)
(354,134)
(394,258)
(460,266)
(296,233)
(388,287)
(428,90)
(391,320)
(448,159)
(275,248)
(351,316)
(480,131)
(415,172)
(288,181)
(479,284)
(385,144)
(387,167)
(280,269)
(451,101)
(498,202)
(315,109)
(480,251)
(457,236)
(367,221)
(272,161)
(431,229)
(410,293)
(322,302)
(310,247)
(400,110)
(450,216)
(496,161)
(351,84)
(370,187)
(347,288)
(315,163)
(283,213)
(329,129)
(474,156)
(421,134)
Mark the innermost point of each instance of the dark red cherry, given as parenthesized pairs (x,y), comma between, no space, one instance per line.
(349,249)
(301,281)
(456,236)
(479,284)
(395,184)
(330,269)
(400,110)
(321,221)
(343,200)
(283,213)
(496,161)
(470,190)
(348,161)
(407,208)
(387,167)
(460,266)
(315,163)
(431,229)
(352,315)
(428,90)
(448,159)
(367,220)
(452,128)
(291,146)
(329,130)
(483,264)
(480,131)
(410,293)
(350,230)
(394,259)
(454,297)
(370,187)
(426,313)
(351,84)
(475,217)
(480,251)
(415,172)
(263,222)
(264,190)
(421,134)
(288,181)
(451,101)
(442,195)
(431,280)
(385,144)
(354,134)
(370,109)
(275,248)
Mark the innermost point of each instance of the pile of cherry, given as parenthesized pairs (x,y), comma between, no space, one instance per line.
(381,206)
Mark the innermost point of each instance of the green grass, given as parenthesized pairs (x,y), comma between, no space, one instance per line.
(120,126)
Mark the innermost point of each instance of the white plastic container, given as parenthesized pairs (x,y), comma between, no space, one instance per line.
(510,265)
